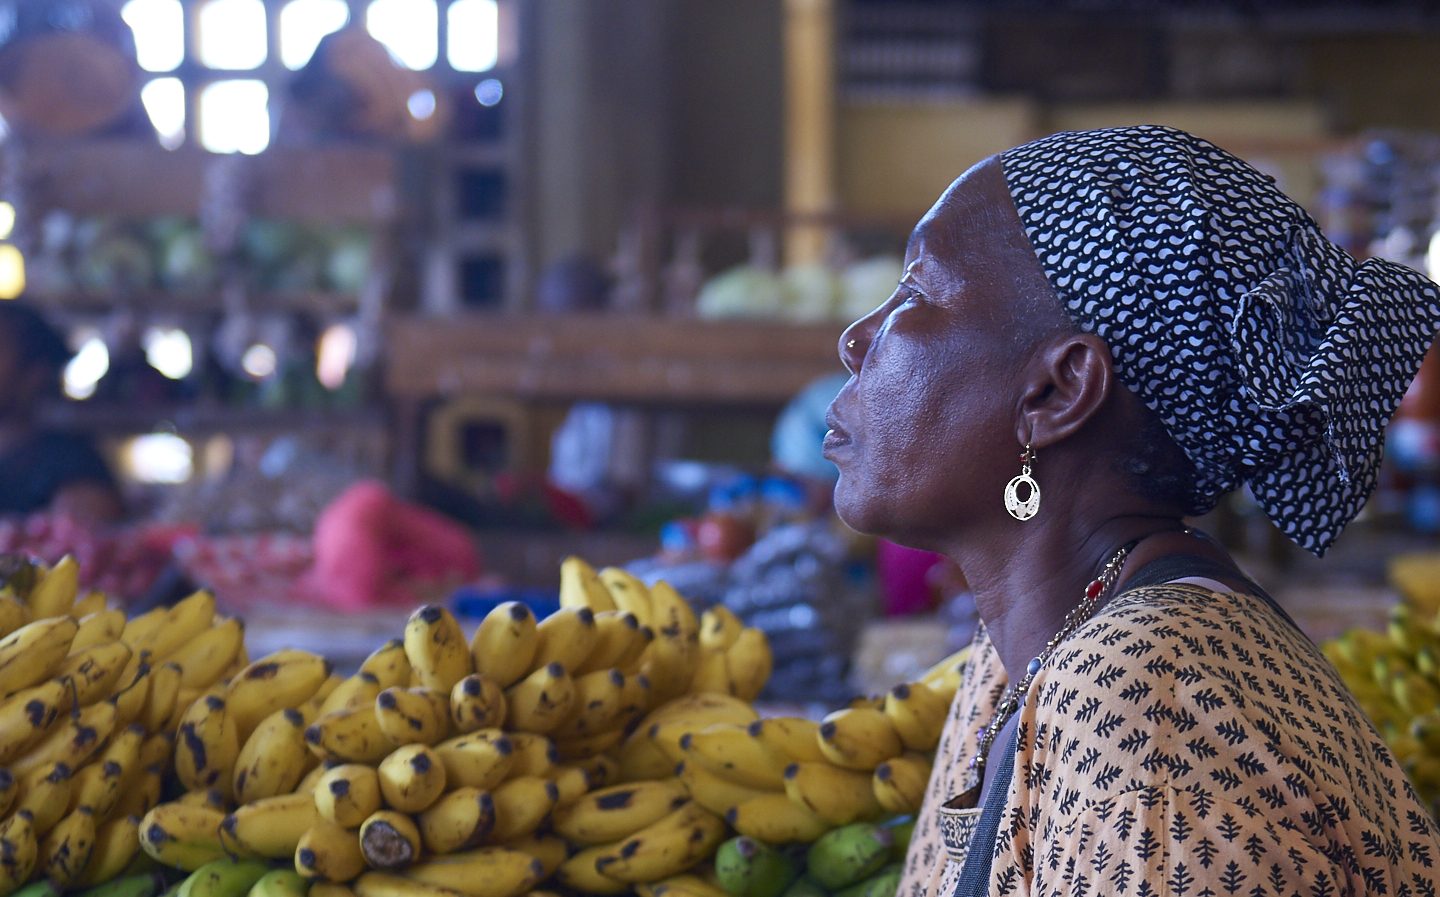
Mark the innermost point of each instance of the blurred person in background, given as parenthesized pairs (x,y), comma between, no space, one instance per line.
(44,470)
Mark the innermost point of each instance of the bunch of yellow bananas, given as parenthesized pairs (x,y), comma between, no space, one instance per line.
(88,702)
(434,765)
(1395,677)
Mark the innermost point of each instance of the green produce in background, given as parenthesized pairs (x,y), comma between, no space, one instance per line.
(881,884)
(848,854)
(147,885)
(805,886)
(748,868)
(223,878)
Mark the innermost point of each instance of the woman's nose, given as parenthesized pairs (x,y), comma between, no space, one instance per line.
(855,341)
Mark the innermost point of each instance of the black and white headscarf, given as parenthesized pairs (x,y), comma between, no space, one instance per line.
(1272,356)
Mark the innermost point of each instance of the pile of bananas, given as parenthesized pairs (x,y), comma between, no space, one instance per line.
(436,764)
(90,702)
(1395,677)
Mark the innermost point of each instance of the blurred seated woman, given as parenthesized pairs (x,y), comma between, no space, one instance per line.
(1097,335)
(43,470)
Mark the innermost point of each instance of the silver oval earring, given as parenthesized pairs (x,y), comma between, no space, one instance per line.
(1023,508)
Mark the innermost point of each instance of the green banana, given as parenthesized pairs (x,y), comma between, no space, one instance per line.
(901,829)
(223,878)
(845,855)
(280,883)
(747,868)
(881,884)
(42,888)
(147,885)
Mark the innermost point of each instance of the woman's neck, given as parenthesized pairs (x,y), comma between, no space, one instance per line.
(1024,589)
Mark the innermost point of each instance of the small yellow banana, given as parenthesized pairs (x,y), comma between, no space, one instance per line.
(776,819)
(614,812)
(458,821)
(616,632)
(629,594)
(390,840)
(505,643)
(579,873)
(714,793)
(141,794)
(435,646)
(32,653)
(45,794)
(350,736)
(918,715)
(274,758)
(595,705)
(712,673)
(859,738)
(487,872)
(207,746)
(571,784)
(270,827)
(13,615)
(477,759)
(28,715)
(99,785)
(54,593)
(348,794)
(751,662)
(899,783)
(130,697)
(360,690)
(158,748)
(580,586)
(788,738)
(566,637)
(521,804)
(413,715)
(181,623)
(585,747)
(727,750)
(102,626)
(116,844)
(383,884)
(205,657)
(19,848)
(184,837)
(161,699)
(839,796)
(73,743)
(388,664)
(95,671)
(548,849)
(88,604)
(477,702)
(330,852)
(412,778)
(664,848)
(283,679)
(719,628)
(541,701)
(531,755)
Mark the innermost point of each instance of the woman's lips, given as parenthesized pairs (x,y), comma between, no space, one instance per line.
(836,437)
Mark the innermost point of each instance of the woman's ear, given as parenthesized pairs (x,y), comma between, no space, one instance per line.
(1068,380)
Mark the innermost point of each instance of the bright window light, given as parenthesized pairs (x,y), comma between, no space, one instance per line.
(489,92)
(409,28)
(164,100)
(258,361)
(421,104)
(7,220)
(158,458)
(303,23)
(1432,257)
(232,34)
(12,272)
(473,43)
(90,363)
(335,355)
(168,351)
(159,28)
(234,117)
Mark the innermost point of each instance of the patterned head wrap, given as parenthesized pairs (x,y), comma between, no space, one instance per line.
(1272,357)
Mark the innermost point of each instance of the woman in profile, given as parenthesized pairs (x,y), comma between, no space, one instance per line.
(1098,335)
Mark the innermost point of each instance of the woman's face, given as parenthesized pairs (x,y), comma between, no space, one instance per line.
(924,432)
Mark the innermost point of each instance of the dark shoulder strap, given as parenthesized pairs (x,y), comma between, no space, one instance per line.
(975,874)
(1187,566)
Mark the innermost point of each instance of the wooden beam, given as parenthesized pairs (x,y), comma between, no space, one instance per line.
(809,123)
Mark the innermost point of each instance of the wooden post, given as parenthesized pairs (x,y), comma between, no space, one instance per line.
(809,123)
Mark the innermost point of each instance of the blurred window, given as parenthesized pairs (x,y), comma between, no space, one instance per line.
(232,34)
(164,100)
(409,28)
(303,23)
(234,117)
(473,42)
(159,28)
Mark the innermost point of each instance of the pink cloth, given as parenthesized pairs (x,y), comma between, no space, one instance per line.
(904,585)
(370,546)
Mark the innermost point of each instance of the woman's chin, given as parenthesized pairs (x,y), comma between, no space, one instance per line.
(855,509)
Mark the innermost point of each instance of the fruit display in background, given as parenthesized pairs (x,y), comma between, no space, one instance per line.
(535,752)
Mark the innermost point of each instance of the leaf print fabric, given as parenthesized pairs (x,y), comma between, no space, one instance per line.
(1184,742)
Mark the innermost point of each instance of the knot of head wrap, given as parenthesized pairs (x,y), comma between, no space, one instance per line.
(1271,356)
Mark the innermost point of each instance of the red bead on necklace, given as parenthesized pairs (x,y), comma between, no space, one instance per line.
(1094,589)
